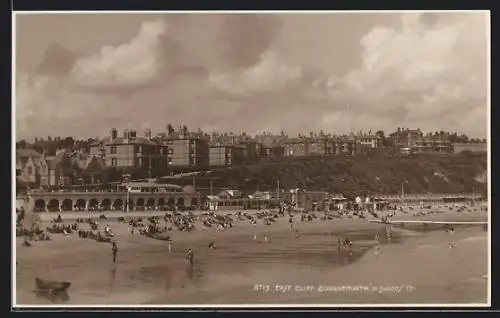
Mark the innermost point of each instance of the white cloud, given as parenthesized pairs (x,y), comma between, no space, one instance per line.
(58,101)
(133,63)
(45,103)
(440,70)
(269,74)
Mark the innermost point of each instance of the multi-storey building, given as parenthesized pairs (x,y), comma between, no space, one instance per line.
(369,140)
(406,138)
(272,151)
(186,150)
(296,147)
(319,146)
(130,151)
(226,155)
(415,141)
(253,151)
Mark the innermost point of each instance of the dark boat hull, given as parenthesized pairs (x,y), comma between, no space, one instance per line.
(158,237)
(103,239)
(42,284)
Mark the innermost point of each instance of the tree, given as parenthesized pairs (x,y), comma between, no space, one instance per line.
(380,134)
(21,144)
(67,142)
(170,129)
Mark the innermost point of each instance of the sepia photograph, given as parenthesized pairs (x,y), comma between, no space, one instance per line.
(265,158)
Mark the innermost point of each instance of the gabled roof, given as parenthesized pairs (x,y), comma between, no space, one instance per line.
(52,162)
(95,159)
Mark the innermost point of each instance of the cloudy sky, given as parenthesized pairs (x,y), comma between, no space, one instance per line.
(81,74)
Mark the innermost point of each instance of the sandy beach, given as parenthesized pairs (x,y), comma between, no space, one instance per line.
(300,265)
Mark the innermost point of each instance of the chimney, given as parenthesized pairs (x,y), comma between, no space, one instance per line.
(132,134)
(126,135)
(114,133)
(147,133)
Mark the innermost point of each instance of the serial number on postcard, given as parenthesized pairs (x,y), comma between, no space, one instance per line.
(333,288)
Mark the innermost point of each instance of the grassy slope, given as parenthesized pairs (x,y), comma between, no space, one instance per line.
(369,173)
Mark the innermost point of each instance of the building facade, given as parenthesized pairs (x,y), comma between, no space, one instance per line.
(187,151)
(28,165)
(406,138)
(131,151)
(253,151)
(296,147)
(369,141)
(222,155)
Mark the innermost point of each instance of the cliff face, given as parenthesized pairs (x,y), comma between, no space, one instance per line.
(372,173)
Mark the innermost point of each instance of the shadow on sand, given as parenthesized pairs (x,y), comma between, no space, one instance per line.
(54,297)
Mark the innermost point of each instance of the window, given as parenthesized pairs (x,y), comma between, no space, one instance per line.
(113,150)
(139,149)
(169,142)
(114,162)
(170,151)
(30,170)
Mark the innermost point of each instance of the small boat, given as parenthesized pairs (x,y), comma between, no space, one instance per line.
(103,239)
(49,285)
(158,236)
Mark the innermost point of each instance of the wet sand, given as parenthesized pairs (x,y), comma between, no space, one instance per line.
(241,271)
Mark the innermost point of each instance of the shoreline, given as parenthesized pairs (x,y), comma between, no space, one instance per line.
(145,263)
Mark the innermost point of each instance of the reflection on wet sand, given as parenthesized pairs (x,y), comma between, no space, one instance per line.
(112,277)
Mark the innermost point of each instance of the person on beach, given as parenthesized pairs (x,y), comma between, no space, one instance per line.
(347,242)
(26,243)
(377,238)
(190,257)
(114,250)
(170,248)
(266,239)
(451,231)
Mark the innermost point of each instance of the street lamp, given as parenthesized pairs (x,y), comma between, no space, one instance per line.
(128,198)
(403,189)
